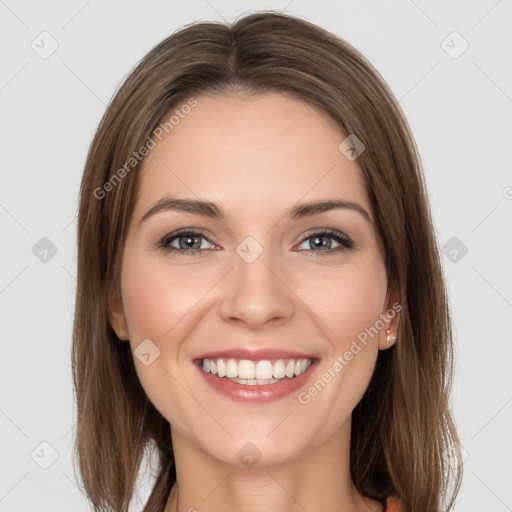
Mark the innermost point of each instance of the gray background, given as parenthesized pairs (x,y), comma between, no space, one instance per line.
(459,109)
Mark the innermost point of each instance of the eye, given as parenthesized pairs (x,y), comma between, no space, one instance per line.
(184,242)
(321,241)
(187,242)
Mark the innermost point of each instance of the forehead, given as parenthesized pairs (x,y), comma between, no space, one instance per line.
(250,152)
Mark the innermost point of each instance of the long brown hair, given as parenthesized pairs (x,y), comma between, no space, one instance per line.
(403,439)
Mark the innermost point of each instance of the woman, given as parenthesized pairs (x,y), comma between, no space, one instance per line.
(259,292)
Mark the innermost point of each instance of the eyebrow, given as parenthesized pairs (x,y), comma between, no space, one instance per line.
(215,211)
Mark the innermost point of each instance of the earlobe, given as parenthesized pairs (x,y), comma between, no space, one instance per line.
(390,339)
(117,317)
(388,335)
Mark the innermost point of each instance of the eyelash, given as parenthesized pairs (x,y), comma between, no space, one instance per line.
(346,242)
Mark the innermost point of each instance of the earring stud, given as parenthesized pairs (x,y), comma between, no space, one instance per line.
(389,338)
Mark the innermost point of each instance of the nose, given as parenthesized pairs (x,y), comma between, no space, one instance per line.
(256,293)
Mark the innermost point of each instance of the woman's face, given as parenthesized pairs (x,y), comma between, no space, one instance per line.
(257,278)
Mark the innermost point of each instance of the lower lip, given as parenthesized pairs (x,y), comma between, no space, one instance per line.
(256,393)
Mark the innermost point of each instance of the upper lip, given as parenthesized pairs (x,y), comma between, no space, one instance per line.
(254,354)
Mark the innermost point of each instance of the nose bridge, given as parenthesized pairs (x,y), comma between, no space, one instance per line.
(255,292)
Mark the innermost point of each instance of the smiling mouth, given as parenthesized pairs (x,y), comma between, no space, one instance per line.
(255,373)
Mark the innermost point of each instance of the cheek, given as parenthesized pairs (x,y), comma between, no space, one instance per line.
(156,301)
(159,300)
(157,296)
(348,300)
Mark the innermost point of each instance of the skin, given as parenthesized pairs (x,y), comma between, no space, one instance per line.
(256,156)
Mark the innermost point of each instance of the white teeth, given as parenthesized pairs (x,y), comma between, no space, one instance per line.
(290,368)
(263,370)
(253,373)
(245,369)
(231,369)
(255,382)
(221,368)
(279,369)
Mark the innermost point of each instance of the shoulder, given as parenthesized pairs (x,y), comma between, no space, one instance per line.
(394,504)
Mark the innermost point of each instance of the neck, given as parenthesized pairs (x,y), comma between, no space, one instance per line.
(315,480)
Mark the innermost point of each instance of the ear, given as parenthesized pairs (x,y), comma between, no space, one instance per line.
(390,317)
(117,317)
